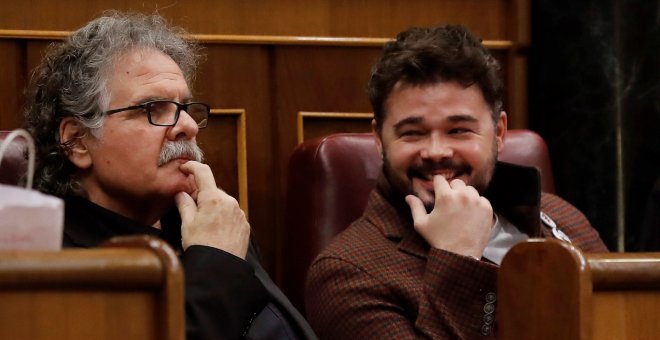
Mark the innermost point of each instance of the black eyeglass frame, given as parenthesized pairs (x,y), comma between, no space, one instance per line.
(147,108)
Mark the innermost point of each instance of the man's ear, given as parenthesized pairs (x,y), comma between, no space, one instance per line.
(500,130)
(73,136)
(379,142)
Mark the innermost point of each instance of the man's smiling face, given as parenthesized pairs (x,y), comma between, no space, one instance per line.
(440,128)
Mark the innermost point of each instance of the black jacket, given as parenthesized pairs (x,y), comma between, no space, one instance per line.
(226,297)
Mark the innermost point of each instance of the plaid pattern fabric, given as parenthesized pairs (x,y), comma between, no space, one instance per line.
(572,222)
(380,280)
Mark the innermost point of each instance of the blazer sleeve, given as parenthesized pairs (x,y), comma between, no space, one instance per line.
(344,300)
(222,294)
(572,222)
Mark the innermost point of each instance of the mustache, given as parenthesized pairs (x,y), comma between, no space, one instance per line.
(180,149)
(424,169)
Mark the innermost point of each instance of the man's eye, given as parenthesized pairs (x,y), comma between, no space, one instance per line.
(411,133)
(459,131)
(158,107)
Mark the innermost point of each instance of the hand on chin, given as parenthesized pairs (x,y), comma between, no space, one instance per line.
(424,190)
(182,182)
(192,187)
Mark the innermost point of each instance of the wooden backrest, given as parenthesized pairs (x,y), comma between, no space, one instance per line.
(548,289)
(131,288)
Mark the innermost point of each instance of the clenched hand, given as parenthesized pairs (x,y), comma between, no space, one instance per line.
(460,221)
(210,217)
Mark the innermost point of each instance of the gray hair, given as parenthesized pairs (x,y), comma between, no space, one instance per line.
(71,82)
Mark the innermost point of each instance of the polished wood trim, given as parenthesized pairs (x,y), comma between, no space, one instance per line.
(549,289)
(520,30)
(241,151)
(287,40)
(529,297)
(172,302)
(79,267)
(33,34)
(231,39)
(341,115)
(638,270)
(88,292)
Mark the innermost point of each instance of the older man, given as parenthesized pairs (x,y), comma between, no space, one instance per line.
(422,260)
(115,124)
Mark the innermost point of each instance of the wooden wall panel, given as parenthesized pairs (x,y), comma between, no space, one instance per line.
(12,78)
(35,51)
(236,76)
(368,18)
(318,124)
(220,145)
(315,128)
(330,79)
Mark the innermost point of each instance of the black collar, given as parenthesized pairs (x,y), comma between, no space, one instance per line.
(515,192)
(87,224)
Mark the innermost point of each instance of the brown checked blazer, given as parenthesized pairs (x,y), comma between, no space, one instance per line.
(380,280)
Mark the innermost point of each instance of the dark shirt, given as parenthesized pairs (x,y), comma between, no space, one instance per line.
(226,296)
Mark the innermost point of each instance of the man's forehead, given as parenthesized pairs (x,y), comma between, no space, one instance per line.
(419,119)
(430,90)
(144,66)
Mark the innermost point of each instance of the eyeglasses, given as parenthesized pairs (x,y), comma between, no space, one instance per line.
(166,112)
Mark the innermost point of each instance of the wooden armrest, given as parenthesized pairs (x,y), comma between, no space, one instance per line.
(130,288)
(549,289)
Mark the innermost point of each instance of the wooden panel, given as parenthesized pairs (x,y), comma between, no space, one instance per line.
(534,312)
(315,79)
(12,69)
(319,124)
(78,315)
(548,289)
(374,18)
(133,290)
(35,51)
(224,150)
(18,57)
(625,315)
(515,81)
(238,76)
(325,79)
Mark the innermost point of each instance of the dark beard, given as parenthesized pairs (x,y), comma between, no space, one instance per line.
(401,188)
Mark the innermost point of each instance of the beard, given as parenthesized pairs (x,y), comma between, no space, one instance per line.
(180,149)
(423,170)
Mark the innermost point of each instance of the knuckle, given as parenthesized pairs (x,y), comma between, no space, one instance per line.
(229,200)
(484,202)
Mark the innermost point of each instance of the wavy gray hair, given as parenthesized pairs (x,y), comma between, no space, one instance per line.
(71,82)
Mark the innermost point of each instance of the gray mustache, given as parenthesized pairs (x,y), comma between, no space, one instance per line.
(180,149)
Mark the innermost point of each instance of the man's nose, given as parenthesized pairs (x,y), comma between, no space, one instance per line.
(436,148)
(185,127)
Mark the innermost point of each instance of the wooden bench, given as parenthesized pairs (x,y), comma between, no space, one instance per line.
(130,288)
(551,290)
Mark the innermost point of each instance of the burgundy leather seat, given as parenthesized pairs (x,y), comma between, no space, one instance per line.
(329,181)
(14,164)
